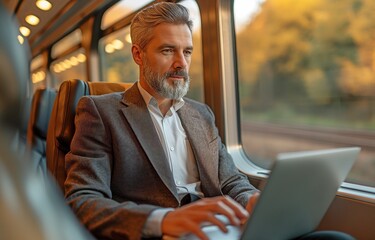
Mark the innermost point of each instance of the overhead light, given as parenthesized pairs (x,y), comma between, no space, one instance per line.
(32,20)
(43,5)
(38,77)
(56,68)
(74,61)
(20,39)
(25,31)
(117,44)
(81,58)
(60,67)
(109,48)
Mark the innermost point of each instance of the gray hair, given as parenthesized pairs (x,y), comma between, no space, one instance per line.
(146,20)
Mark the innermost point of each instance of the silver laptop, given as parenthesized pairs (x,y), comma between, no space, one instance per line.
(297,194)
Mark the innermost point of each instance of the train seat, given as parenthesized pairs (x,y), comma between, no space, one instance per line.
(21,141)
(40,112)
(61,126)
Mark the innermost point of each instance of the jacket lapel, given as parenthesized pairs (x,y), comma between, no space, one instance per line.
(139,119)
(206,159)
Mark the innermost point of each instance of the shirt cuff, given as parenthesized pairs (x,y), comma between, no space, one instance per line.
(152,227)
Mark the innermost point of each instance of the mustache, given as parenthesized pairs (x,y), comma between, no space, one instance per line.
(178,73)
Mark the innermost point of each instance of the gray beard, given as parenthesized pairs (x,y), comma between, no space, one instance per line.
(160,83)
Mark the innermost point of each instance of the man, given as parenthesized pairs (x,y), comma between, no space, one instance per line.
(137,157)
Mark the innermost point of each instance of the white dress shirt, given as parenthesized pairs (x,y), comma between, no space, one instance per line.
(180,156)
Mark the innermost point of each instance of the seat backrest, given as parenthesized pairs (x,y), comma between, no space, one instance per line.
(21,142)
(61,126)
(40,112)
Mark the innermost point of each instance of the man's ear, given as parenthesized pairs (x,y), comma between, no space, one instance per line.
(137,54)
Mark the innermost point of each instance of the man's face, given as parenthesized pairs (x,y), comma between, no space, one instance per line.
(166,60)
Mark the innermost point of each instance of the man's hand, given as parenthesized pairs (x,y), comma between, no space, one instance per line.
(252,201)
(189,218)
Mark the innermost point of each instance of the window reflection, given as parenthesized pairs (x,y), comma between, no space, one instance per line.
(71,66)
(38,74)
(73,39)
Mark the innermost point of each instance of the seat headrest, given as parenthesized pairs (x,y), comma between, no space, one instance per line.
(26,116)
(63,112)
(42,104)
(99,88)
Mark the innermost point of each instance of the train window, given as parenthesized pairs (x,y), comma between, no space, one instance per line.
(69,66)
(69,59)
(196,90)
(36,62)
(117,63)
(121,10)
(306,75)
(38,78)
(38,75)
(71,40)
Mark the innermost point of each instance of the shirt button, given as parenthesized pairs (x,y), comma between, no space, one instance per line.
(172,148)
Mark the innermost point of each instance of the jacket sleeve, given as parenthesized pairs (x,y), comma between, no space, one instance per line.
(232,182)
(88,184)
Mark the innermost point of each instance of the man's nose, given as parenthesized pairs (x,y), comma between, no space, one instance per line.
(180,61)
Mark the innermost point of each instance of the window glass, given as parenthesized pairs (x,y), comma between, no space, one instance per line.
(120,10)
(196,90)
(38,75)
(306,72)
(117,63)
(38,78)
(36,62)
(71,40)
(72,66)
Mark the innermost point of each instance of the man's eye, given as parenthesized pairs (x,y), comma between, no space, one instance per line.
(167,51)
(188,53)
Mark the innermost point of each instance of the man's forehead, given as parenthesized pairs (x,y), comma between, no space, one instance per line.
(170,34)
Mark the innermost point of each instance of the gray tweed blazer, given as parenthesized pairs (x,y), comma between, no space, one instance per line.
(117,171)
